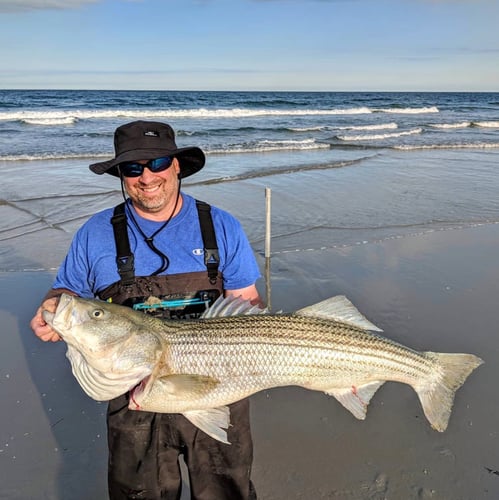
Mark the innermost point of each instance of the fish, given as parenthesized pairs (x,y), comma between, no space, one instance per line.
(197,367)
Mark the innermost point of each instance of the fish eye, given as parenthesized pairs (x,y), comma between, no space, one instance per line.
(97,313)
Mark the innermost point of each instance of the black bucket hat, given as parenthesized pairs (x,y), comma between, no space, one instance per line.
(144,140)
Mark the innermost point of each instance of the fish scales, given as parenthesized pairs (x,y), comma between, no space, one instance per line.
(197,367)
(325,357)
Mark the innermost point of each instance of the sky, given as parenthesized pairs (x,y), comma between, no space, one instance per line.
(310,45)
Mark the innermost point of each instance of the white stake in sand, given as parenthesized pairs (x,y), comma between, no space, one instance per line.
(268,195)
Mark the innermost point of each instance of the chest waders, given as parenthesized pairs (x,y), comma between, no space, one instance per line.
(169,296)
(144,447)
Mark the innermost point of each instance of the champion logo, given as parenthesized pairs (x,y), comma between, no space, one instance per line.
(198,251)
(151,133)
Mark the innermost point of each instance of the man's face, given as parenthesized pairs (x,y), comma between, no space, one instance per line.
(151,193)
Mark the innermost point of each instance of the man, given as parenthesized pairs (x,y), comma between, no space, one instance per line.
(161,248)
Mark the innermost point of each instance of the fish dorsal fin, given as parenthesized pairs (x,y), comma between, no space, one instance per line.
(339,308)
(213,421)
(231,306)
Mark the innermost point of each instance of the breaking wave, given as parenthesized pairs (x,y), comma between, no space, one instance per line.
(477,145)
(377,137)
(70,116)
(246,147)
(487,124)
(408,111)
(267,145)
(54,156)
(450,125)
(466,124)
(380,126)
(61,120)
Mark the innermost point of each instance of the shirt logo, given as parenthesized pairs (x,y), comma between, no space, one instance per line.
(198,251)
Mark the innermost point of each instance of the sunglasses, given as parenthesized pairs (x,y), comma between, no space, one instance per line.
(134,169)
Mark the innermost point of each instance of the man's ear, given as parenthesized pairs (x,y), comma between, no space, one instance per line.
(176,166)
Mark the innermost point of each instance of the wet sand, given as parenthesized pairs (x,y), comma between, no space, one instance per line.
(437,291)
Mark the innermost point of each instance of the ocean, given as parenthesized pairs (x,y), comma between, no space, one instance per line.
(343,168)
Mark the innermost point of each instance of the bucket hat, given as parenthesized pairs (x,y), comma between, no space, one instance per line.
(145,140)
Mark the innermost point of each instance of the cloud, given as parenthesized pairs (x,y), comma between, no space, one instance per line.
(27,5)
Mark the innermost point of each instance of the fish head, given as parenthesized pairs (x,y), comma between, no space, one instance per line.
(102,332)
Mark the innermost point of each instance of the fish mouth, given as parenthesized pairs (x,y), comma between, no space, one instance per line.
(64,302)
(51,318)
(48,317)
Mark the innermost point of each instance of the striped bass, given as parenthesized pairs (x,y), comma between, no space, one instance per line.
(198,367)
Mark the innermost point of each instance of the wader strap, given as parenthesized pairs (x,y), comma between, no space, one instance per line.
(124,256)
(211,255)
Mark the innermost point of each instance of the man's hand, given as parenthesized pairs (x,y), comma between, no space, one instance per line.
(249,293)
(41,329)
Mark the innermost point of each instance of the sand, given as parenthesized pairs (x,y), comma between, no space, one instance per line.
(437,291)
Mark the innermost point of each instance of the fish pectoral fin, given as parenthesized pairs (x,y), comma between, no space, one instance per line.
(213,421)
(339,308)
(189,385)
(355,399)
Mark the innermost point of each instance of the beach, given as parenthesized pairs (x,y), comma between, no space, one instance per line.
(406,226)
(436,291)
(433,292)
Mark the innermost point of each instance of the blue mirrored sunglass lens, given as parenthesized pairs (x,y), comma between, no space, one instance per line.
(131,169)
(159,164)
(134,169)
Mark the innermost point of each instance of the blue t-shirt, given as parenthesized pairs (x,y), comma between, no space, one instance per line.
(90,265)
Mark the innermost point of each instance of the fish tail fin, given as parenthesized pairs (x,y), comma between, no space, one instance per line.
(437,398)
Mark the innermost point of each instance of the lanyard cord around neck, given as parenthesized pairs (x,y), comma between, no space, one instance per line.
(149,240)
